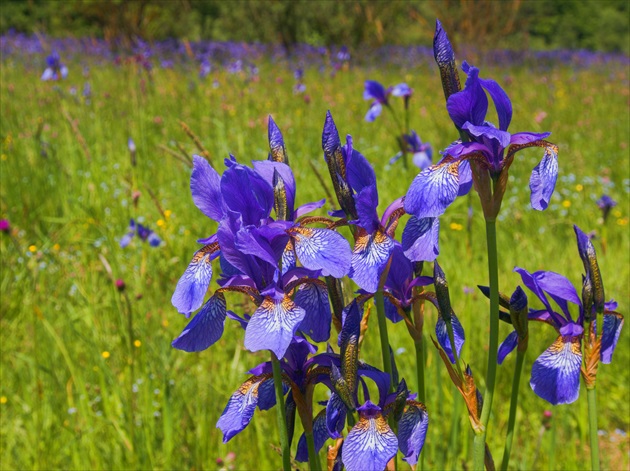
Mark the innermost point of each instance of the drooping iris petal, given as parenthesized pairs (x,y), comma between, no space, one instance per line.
(240,408)
(508,345)
(488,133)
(369,258)
(320,435)
(412,430)
(433,190)
(313,298)
(308,207)
(556,373)
(559,288)
(205,186)
(193,284)
(335,415)
(322,249)
(273,325)
(613,322)
(420,239)
(391,311)
(374,91)
(374,112)
(205,328)
(471,104)
(369,445)
(441,333)
(543,180)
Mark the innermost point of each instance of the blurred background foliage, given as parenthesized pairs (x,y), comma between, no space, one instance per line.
(601,25)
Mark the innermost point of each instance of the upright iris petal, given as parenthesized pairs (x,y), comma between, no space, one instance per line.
(205,186)
(313,298)
(371,443)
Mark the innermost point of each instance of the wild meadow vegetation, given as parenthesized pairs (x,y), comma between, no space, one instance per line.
(89,378)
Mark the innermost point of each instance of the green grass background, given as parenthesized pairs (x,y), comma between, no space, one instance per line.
(65,406)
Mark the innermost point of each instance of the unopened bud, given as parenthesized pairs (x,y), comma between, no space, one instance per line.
(120,285)
(441,292)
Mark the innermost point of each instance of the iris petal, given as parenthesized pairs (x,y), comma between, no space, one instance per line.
(369,258)
(205,186)
(240,408)
(420,239)
(322,249)
(556,373)
(374,112)
(412,431)
(193,284)
(313,298)
(613,322)
(320,435)
(459,337)
(369,445)
(335,415)
(273,325)
(543,180)
(508,345)
(205,328)
(433,190)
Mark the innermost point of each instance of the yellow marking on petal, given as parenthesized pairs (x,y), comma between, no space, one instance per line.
(382,427)
(105,355)
(566,204)
(32,248)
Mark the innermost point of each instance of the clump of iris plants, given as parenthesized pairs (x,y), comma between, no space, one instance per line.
(313,279)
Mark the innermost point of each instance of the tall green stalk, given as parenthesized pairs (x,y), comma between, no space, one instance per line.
(479,446)
(592,427)
(313,457)
(382,330)
(419,345)
(520,357)
(282,419)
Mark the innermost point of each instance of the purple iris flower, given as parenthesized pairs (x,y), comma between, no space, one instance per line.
(422,152)
(556,373)
(491,149)
(377,92)
(144,233)
(55,69)
(259,255)
(606,203)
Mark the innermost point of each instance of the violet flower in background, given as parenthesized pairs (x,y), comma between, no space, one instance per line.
(55,69)
(377,92)
(422,153)
(606,203)
(144,233)
(556,373)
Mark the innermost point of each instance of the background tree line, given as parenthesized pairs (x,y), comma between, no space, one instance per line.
(482,24)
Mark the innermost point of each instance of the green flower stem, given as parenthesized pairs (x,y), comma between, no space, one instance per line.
(382,330)
(592,427)
(520,356)
(282,418)
(420,369)
(313,457)
(479,446)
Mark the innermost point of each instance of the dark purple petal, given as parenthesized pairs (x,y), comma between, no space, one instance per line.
(420,239)
(412,431)
(613,322)
(335,416)
(374,91)
(266,168)
(559,288)
(441,333)
(193,284)
(240,408)
(507,346)
(433,190)
(205,186)
(322,249)
(313,298)
(320,435)
(465,178)
(521,138)
(205,328)
(369,445)
(369,258)
(487,133)
(556,373)
(543,180)
(273,325)
(250,241)
(529,280)
(247,193)
(366,203)
(469,105)
(400,272)
(501,101)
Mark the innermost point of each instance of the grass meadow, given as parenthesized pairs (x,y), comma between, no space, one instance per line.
(89,379)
